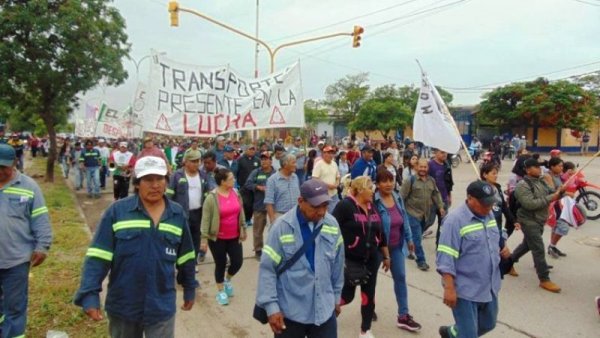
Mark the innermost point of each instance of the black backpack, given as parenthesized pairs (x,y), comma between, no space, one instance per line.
(513,203)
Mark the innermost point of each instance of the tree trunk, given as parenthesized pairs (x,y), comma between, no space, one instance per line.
(49,122)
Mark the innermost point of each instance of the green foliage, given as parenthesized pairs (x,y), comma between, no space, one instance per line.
(561,104)
(346,95)
(388,108)
(53,284)
(52,50)
(591,83)
(314,113)
(385,110)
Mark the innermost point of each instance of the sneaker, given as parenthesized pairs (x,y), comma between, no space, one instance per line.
(411,256)
(367,334)
(513,272)
(228,288)
(443,331)
(407,323)
(598,304)
(222,298)
(200,258)
(552,252)
(423,266)
(550,286)
(258,255)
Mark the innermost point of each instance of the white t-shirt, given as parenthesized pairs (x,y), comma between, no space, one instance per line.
(328,173)
(194,191)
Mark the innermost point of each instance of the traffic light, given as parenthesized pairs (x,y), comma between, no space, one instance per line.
(358,30)
(174,12)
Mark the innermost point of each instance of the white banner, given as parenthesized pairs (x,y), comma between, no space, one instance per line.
(433,125)
(188,100)
(85,122)
(113,123)
(139,106)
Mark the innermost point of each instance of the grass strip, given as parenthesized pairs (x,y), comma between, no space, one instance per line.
(52,285)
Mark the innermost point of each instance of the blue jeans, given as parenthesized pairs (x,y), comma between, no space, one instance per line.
(122,328)
(300,174)
(66,166)
(92,176)
(416,226)
(299,330)
(399,275)
(473,319)
(104,173)
(14,284)
(78,177)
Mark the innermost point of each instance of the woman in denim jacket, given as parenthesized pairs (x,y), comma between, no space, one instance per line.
(397,232)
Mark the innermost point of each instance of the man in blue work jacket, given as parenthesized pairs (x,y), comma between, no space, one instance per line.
(25,238)
(468,256)
(304,300)
(140,240)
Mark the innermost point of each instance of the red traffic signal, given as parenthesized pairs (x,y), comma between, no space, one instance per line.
(356,36)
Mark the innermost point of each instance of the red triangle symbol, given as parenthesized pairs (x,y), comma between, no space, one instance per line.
(276,116)
(163,123)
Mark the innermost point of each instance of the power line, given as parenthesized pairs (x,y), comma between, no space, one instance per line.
(588,3)
(346,20)
(415,13)
(423,13)
(526,77)
(481,90)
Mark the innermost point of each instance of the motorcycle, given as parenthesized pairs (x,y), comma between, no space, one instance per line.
(589,200)
(455,159)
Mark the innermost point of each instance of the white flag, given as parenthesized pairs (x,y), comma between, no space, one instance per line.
(433,125)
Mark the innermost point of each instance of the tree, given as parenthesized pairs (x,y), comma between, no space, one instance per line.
(385,110)
(591,83)
(389,108)
(560,104)
(346,95)
(314,112)
(51,51)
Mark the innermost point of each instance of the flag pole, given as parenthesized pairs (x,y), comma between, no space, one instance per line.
(582,167)
(462,142)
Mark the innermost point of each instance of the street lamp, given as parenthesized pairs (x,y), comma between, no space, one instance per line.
(139,62)
(174,9)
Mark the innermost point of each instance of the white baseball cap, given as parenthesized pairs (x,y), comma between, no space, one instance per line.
(150,165)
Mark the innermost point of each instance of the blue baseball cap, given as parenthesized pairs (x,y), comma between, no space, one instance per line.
(7,155)
(315,192)
(228,148)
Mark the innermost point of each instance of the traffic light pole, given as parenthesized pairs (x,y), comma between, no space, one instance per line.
(174,8)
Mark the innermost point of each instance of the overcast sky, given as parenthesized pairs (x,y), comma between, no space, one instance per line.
(461,44)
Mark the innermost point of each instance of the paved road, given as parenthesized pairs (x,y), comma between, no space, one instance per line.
(525,309)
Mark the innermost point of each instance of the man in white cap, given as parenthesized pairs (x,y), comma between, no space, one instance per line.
(24,243)
(141,240)
(122,161)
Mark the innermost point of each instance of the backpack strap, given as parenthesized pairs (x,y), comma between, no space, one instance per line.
(413,178)
(299,253)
